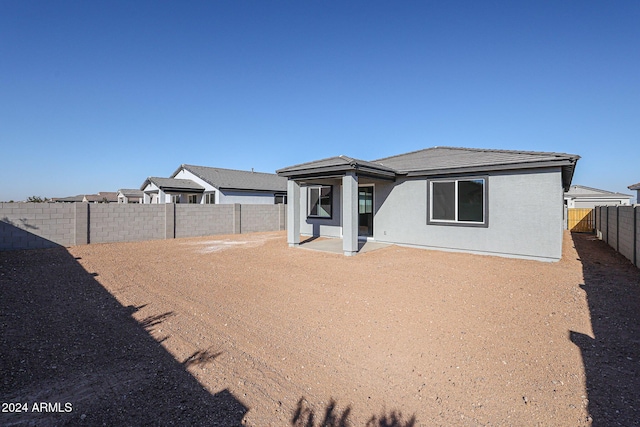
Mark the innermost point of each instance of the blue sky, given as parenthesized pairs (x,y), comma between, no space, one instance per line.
(98,95)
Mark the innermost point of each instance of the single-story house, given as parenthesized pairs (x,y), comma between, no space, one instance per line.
(497,202)
(101,197)
(128,195)
(208,185)
(580,196)
(636,187)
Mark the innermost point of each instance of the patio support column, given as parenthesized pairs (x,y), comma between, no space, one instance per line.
(350,214)
(293,213)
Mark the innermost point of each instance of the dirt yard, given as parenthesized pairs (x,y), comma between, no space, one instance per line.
(242,330)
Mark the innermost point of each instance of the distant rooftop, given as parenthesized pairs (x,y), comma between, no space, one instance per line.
(236,179)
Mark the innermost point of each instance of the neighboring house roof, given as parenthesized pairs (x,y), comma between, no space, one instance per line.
(103,196)
(236,179)
(108,196)
(580,191)
(634,186)
(172,184)
(130,192)
(78,198)
(445,160)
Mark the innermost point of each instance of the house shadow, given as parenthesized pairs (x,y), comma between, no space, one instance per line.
(74,355)
(21,234)
(611,359)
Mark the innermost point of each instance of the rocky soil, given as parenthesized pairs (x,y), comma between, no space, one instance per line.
(242,330)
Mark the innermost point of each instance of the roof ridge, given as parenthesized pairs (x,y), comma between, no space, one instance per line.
(485,150)
(614,193)
(595,189)
(314,161)
(224,169)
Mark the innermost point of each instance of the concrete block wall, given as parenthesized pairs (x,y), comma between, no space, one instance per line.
(43,225)
(113,222)
(637,236)
(619,227)
(262,218)
(203,220)
(612,225)
(36,225)
(626,238)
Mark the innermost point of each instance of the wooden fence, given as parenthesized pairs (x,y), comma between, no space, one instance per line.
(580,220)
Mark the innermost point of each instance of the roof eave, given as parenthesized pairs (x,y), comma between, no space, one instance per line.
(337,170)
(489,168)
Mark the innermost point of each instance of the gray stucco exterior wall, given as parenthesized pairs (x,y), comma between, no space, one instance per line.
(525,216)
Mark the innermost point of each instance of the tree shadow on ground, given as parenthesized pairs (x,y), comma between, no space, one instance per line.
(612,359)
(305,416)
(64,338)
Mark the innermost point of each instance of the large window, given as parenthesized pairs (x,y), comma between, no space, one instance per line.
(320,201)
(458,201)
(210,198)
(193,198)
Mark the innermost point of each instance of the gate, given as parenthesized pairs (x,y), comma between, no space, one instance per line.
(580,220)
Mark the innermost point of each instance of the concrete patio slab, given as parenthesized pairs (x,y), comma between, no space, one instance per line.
(335,245)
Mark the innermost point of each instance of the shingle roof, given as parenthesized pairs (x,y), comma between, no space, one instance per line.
(129,192)
(77,198)
(438,159)
(109,196)
(173,184)
(338,164)
(237,179)
(581,190)
(443,160)
(634,186)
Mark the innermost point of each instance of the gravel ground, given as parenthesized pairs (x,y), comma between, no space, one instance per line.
(242,330)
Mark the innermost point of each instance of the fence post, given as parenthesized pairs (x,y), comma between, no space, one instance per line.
(600,222)
(81,223)
(282,216)
(237,218)
(635,236)
(170,221)
(617,229)
(607,225)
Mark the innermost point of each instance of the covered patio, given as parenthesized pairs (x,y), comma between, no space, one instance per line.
(353,218)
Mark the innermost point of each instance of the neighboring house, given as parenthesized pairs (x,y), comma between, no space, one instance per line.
(127,195)
(169,190)
(636,187)
(101,197)
(580,196)
(207,185)
(496,202)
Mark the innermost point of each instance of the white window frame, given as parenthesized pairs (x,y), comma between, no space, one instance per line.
(456,221)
